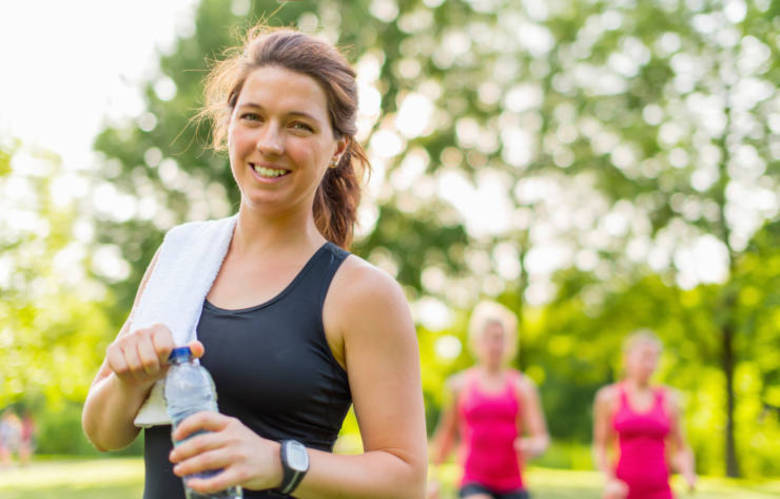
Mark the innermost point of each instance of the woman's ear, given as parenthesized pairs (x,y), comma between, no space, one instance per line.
(342,144)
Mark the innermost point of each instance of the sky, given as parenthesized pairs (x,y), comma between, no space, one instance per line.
(69,67)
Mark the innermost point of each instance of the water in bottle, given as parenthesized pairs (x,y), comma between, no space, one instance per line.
(190,389)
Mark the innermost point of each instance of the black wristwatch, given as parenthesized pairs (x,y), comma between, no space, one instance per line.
(295,464)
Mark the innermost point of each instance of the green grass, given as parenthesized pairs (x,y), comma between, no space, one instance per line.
(122,478)
(116,478)
(548,483)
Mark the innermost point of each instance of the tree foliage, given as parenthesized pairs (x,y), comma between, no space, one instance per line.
(598,166)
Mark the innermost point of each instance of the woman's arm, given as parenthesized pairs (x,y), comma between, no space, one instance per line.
(603,437)
(532,419)
(602,433)
(367,309)
(383,364)
(447,430)
(682,455)
(133,363)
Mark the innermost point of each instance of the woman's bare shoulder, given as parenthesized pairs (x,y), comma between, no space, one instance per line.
(672,397)
(606,395)
(456,382)
(366,301)
(358,279)
(523,384)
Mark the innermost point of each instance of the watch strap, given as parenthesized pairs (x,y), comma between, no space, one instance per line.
(290,477)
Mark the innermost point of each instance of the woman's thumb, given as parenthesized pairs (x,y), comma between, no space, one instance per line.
(197,348)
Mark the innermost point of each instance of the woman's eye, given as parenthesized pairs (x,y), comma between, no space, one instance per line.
(302,126)
(250,117)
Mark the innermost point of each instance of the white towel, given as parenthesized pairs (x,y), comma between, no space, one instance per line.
(187,264)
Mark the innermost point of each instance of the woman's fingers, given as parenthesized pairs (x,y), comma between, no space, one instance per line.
(130,353)
(185,451)
(228,477)
(197,348)
(141,356)
(245,458)
(162,339)
(215,450)
(216,459)
(147,354)
(116,359)
(201,421)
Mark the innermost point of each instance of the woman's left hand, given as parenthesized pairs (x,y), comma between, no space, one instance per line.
(245,458)
(690,480)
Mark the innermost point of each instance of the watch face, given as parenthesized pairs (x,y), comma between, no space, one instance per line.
(297,457)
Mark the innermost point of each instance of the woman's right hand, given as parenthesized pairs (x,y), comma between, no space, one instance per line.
(615,489)
(433,489)
(140,358)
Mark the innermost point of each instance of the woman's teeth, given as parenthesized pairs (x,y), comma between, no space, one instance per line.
(268,172)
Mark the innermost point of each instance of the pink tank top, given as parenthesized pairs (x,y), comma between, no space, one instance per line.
(642,441)
(488,429)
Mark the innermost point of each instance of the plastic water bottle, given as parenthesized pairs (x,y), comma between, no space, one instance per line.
(190,389)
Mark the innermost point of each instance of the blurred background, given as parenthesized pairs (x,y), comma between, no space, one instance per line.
(597,166)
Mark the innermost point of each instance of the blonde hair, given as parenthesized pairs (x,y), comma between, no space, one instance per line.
(641,337)
(488,312)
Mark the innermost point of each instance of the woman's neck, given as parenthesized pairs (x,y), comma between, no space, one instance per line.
(637,384)
(258,233)
(490,370)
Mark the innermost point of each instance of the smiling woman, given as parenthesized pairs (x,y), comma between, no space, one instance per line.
(315,101)
(279,139)
(294,328)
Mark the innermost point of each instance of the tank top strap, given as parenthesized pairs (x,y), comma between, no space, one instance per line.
(623,396)
(513,380)
(471,384)
(475,383)
(660,399)
(467,389)
(325,262)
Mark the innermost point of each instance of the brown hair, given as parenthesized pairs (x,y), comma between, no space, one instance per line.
(338,195)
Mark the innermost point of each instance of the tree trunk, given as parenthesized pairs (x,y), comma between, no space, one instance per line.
(522,285)
(727,363)
(728,326)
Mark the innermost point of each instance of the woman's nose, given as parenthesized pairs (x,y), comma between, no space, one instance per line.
(269,141)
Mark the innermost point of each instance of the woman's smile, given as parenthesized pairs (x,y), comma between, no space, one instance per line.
(268,173)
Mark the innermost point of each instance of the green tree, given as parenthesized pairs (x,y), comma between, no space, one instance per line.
(514,144)
(53,311)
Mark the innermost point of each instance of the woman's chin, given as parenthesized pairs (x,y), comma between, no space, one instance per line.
(262,203)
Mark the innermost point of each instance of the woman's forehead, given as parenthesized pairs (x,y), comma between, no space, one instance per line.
(281,90)
(645,347)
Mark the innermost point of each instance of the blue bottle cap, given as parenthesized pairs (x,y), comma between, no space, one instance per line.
(180,353)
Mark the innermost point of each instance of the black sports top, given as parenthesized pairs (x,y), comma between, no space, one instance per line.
(273,370)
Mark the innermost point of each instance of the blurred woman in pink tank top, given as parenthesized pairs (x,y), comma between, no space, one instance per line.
(491,408)
(645,422)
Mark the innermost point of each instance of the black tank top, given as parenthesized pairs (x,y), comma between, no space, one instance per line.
(273,370)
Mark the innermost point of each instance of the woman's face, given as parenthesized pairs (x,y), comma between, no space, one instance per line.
(642,360)
(280,140)
(492,344)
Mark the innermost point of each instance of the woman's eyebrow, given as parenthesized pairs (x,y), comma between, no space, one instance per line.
(291,113)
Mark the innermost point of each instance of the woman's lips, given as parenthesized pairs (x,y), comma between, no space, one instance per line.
(268,173)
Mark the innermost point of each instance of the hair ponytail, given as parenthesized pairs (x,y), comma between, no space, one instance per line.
(338,196)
